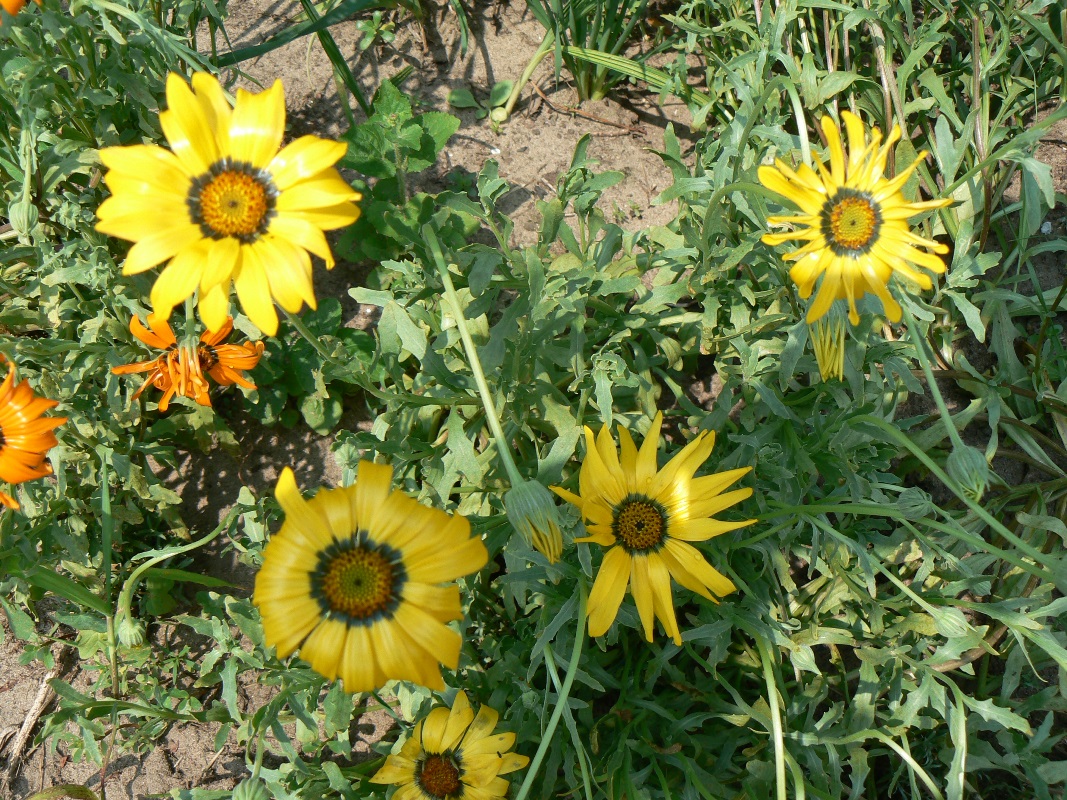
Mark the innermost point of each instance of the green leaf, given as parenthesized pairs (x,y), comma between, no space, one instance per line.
(60,584)
(21,623)
(462,98)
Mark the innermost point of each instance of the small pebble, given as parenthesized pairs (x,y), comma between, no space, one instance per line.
(1046,227)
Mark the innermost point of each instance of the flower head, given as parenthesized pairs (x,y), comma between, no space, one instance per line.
(531,509)
(227,205)
(453,755)
(361,581)
(25,435)
(854,221)
(647,517)
(180,370)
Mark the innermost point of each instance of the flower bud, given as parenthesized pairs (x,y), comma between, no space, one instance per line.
(251,789)
(914,503)
(23,216)
(532,512)
(828,342)
(968,467)
(130,631)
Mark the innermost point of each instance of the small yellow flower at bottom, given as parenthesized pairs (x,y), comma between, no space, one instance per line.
(854,221)
(453,754)
(360,581)
(647,517)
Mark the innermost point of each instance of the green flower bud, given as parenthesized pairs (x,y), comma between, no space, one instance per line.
(828,342)
(251,789)
(23,216)
(914,503)
(130,631)
(532,512)
(968,467)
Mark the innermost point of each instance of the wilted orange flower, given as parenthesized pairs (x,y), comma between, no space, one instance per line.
(179,370)
(25,436)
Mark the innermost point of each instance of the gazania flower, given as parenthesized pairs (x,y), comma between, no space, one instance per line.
(225,206)
(360,580)
(854,221)
(25,435)
(647,517)
(453,755)
(13,7)
(180,370)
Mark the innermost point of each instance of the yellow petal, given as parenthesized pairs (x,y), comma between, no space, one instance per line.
(433,730)
(303,158)
(298,513)
(373,484)
(641,589)
(257,125)
(608,590)
(662,602)
(216,107)
(302,233)
(179,278)
(322,191)
(187,129)
(324,646)
(358,668)
(253,291)
(689,559)
(214,306)
(158,247)
(288,270)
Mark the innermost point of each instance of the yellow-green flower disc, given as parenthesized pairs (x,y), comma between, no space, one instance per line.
(453,755)
(227,205)
(647,517)
(854,222)
(360,581)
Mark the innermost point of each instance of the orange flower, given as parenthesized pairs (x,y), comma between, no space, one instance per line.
(13,7)
(25,436)
(179,370)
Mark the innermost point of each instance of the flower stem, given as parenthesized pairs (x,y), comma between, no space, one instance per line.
(924,361)
(502,443)
(547,44)
(776,718)
(561,698)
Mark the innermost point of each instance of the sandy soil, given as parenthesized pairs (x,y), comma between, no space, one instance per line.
(532,149)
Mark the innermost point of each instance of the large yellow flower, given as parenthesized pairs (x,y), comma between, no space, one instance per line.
(453,755)
(225,206)
(854,221)
(360,580)
(647,517)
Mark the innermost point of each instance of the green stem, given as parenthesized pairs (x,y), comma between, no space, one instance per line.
(561,697)
(776,718)
(579,749)
(919,342)
(502,443)
(539,55)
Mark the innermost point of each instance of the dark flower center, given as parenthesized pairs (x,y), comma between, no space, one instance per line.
(359,581)
(850,222)
(208,356)
(640,523)
(438,775)
(232,198)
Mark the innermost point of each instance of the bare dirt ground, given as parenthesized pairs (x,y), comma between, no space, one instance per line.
(533,148)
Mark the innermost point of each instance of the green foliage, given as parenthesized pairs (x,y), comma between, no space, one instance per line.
(898,629)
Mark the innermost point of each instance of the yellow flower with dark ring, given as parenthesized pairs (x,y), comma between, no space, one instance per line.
(360,580)
(853,221)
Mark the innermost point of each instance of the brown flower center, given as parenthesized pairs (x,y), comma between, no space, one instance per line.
(232,198)
(359,581)
(850,222)
(640,524)
(438,776)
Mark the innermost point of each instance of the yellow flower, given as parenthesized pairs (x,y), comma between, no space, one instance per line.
(360,580)
(25,435)
(647,517)
(225,206)
(854,221)
(453,755)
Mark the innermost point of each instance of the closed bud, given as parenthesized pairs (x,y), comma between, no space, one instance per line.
(130,631)
(828,342)
(532,512)
(968,467)
(251,789)
(914,503)
(23,216)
